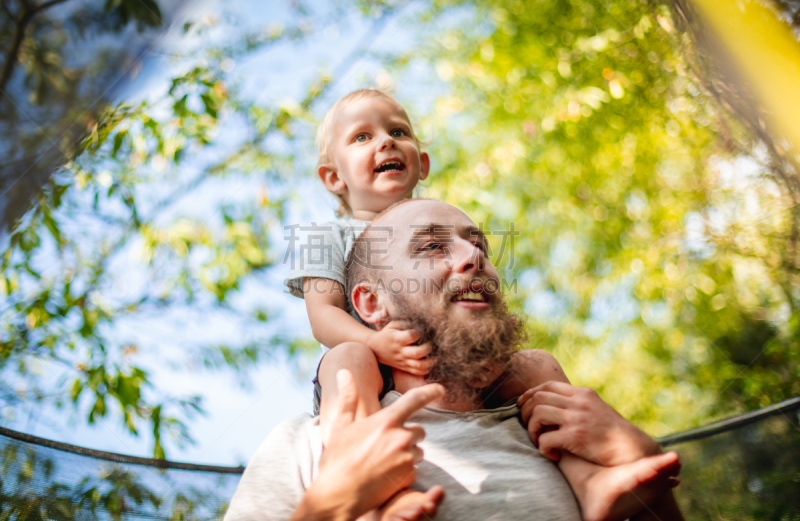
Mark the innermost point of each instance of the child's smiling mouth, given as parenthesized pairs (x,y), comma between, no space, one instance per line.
(390,166)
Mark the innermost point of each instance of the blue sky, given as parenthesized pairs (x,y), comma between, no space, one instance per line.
(239,417)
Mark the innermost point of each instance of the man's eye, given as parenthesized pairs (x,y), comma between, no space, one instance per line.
(398,133)
(361,138)
(432,246)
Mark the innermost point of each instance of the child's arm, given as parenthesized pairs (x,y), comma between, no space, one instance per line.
(331,325)
(528,368)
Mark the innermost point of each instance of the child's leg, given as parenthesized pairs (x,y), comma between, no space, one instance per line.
(362,364)
(528,368)
(617,493)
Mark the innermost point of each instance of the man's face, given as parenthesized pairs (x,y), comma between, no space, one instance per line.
(439,281)
(375,153)
(436,258)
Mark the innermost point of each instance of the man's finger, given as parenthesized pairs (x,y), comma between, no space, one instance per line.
(419,455)
(347,401)
(551,443)
(527,411)
(554,399)
(527,395)
(531,405)
(415,399)
(417,433)
(554,387)
(417,352)
(544,415)
(434,497)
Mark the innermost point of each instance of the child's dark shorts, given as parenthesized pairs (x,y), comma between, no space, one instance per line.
(386,374)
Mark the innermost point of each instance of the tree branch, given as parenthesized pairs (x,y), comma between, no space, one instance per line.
(48,5)
(7,10)
(24,18)
(13,52)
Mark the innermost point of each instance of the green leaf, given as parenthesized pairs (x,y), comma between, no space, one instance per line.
(76,390)
(118,140)
(210,104)
(52,226)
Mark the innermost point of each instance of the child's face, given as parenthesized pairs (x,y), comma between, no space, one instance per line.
(375,160)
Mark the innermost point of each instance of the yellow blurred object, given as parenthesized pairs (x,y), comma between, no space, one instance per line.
(767,56)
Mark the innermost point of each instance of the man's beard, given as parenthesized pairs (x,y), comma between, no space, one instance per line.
(464,353)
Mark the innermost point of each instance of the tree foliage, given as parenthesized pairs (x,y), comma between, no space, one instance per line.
(58,75)
(657,230)
(657,239)
(126,196)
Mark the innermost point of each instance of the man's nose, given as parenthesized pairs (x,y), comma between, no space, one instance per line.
(467,257)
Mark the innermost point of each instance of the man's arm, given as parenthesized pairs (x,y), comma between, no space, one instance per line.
(366,462)
(562,417)
(586,425)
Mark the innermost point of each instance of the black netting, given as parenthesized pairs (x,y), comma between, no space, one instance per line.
(744,468)
(39,482)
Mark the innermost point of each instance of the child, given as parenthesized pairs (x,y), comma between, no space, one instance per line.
(370,158)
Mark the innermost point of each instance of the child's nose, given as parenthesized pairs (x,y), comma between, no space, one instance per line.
(388,142)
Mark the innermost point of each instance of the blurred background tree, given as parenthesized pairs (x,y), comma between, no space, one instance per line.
(125,192)
(657,253)
(63,61)
(656,211)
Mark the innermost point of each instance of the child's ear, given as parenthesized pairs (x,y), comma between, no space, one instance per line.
(330,178)
(425,165)
(367,305)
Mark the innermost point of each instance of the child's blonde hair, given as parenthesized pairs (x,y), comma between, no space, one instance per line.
(323,140)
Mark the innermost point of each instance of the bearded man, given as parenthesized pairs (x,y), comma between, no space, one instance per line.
(482,460)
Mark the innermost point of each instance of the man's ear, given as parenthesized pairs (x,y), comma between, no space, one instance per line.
(367,305)
(425,165)
(330,178)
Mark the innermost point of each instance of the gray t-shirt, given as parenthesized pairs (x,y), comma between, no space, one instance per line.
(484,459)
(322,251)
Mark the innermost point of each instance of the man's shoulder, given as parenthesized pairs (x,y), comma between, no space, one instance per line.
(279,472)
(292,426)
(288,437)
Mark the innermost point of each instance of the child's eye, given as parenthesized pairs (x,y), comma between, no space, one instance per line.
(398,133)
(361,138)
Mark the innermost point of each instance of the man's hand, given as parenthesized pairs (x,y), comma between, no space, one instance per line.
(394,346)
(366,461)
(585,426)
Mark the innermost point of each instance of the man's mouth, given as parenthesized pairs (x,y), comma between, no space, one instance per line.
(471,300)
(394,166)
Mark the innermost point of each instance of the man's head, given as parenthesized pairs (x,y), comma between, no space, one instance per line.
(424,261)
(369,154)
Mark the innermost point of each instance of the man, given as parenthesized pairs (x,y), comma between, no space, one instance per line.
(482,460)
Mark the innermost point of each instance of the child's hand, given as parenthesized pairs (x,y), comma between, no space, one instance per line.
(411,505)
(394,346)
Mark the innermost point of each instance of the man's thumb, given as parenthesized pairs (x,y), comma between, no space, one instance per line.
(433,498)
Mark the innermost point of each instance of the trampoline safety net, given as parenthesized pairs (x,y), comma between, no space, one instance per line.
(743,468)
(43,480)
